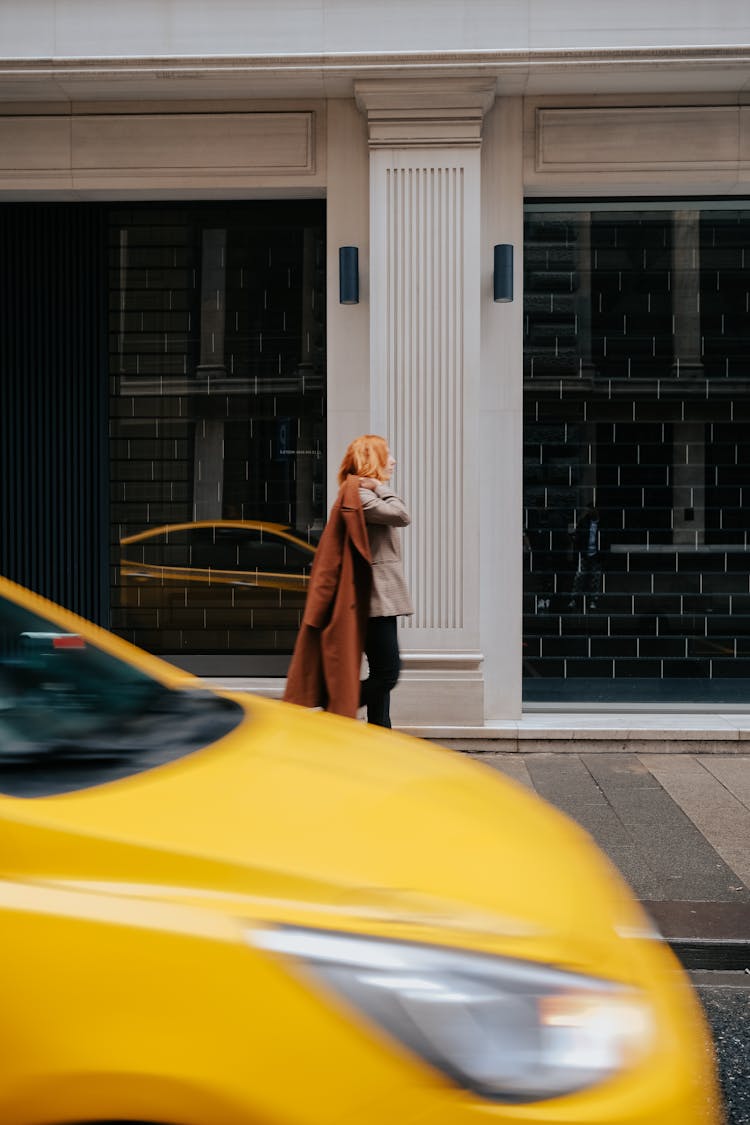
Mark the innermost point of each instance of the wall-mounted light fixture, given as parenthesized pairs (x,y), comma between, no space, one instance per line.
(503,273)
(348,275)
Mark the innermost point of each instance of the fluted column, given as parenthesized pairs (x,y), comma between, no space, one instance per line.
(425,269)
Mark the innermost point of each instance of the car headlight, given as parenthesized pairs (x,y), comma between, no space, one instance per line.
(510,1030)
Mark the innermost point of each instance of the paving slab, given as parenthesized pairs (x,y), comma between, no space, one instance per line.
(632,863)
(687,865)
(722,819)
(733,773)
(512,765)
(620,770)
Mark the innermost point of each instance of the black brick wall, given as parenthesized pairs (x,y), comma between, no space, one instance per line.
(260,389)
(636,380)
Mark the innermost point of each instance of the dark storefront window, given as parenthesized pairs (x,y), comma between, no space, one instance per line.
(217,427)
(636,452)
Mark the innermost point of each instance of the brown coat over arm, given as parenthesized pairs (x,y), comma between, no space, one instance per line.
(324,671)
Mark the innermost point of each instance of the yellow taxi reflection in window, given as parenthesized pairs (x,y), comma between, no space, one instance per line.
(219,553)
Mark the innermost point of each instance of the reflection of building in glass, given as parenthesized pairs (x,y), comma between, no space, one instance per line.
(218,367)
(639,406)
(243,580)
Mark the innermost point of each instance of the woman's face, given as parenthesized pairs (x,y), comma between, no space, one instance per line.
(390,464)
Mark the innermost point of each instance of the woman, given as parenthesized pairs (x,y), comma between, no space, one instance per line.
(356,591)
(369,458)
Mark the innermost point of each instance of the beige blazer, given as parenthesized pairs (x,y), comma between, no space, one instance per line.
(385,512)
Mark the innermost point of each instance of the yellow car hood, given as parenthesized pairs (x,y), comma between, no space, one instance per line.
(319,821)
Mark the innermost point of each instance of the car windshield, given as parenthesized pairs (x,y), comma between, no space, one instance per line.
(73,716)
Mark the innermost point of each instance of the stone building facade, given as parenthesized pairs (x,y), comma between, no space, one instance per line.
(177,365)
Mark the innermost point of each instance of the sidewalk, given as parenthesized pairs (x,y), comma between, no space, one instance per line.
(676,825)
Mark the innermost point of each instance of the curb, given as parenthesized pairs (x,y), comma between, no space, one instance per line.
(705,935)
(712,955)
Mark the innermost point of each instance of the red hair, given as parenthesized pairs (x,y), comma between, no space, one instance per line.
(366,456)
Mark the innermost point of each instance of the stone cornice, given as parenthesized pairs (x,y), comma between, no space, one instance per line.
(718,70)
(495,60)
(425,113)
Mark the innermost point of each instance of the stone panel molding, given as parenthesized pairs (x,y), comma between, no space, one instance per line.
(631,147)
(92,151)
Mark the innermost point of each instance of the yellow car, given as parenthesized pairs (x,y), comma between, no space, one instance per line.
(219,553)
(212,586)
(220,910)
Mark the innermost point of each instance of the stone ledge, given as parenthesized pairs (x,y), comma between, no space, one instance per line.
(589,731)
(543,745)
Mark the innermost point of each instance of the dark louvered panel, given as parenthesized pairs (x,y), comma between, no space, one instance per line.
(54,403)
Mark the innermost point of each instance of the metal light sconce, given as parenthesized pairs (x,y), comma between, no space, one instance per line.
(503,273)
(348,275)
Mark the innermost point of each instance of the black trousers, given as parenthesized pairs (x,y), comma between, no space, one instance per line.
(381,649)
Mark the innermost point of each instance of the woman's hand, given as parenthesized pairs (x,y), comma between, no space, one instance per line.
(368,482)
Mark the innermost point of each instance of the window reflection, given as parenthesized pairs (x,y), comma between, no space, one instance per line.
(636,366)
(218,364)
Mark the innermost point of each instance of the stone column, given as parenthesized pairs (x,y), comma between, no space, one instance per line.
(208,474)
(583,295)
(500,532)
(304,439)
(689,438)
(425,269)
(689,483)
(686,293)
